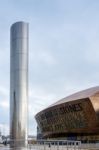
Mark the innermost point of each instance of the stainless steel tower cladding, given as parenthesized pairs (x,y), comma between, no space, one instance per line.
(19,82)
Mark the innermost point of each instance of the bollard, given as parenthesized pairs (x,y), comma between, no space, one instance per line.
(57,145)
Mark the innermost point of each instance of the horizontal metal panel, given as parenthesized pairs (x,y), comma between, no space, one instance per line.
(19,45)
(20,61)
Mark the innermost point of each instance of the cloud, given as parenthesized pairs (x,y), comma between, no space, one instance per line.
(4,97)
(4,104)
(4,91)
(44,57)
(39,98)
(4,129)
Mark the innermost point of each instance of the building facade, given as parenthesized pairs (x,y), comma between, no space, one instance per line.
(75,117)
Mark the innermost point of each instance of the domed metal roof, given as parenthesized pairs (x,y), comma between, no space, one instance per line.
(79,95)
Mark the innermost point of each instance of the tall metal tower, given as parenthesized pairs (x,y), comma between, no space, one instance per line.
(19,36)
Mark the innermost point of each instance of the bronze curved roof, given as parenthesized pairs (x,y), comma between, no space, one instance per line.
(79,95)
(77,113)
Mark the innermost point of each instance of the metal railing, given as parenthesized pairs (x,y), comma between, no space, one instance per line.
(49,145)
(42,145)
(55,145)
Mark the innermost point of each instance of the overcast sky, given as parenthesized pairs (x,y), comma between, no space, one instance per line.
(63,51)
